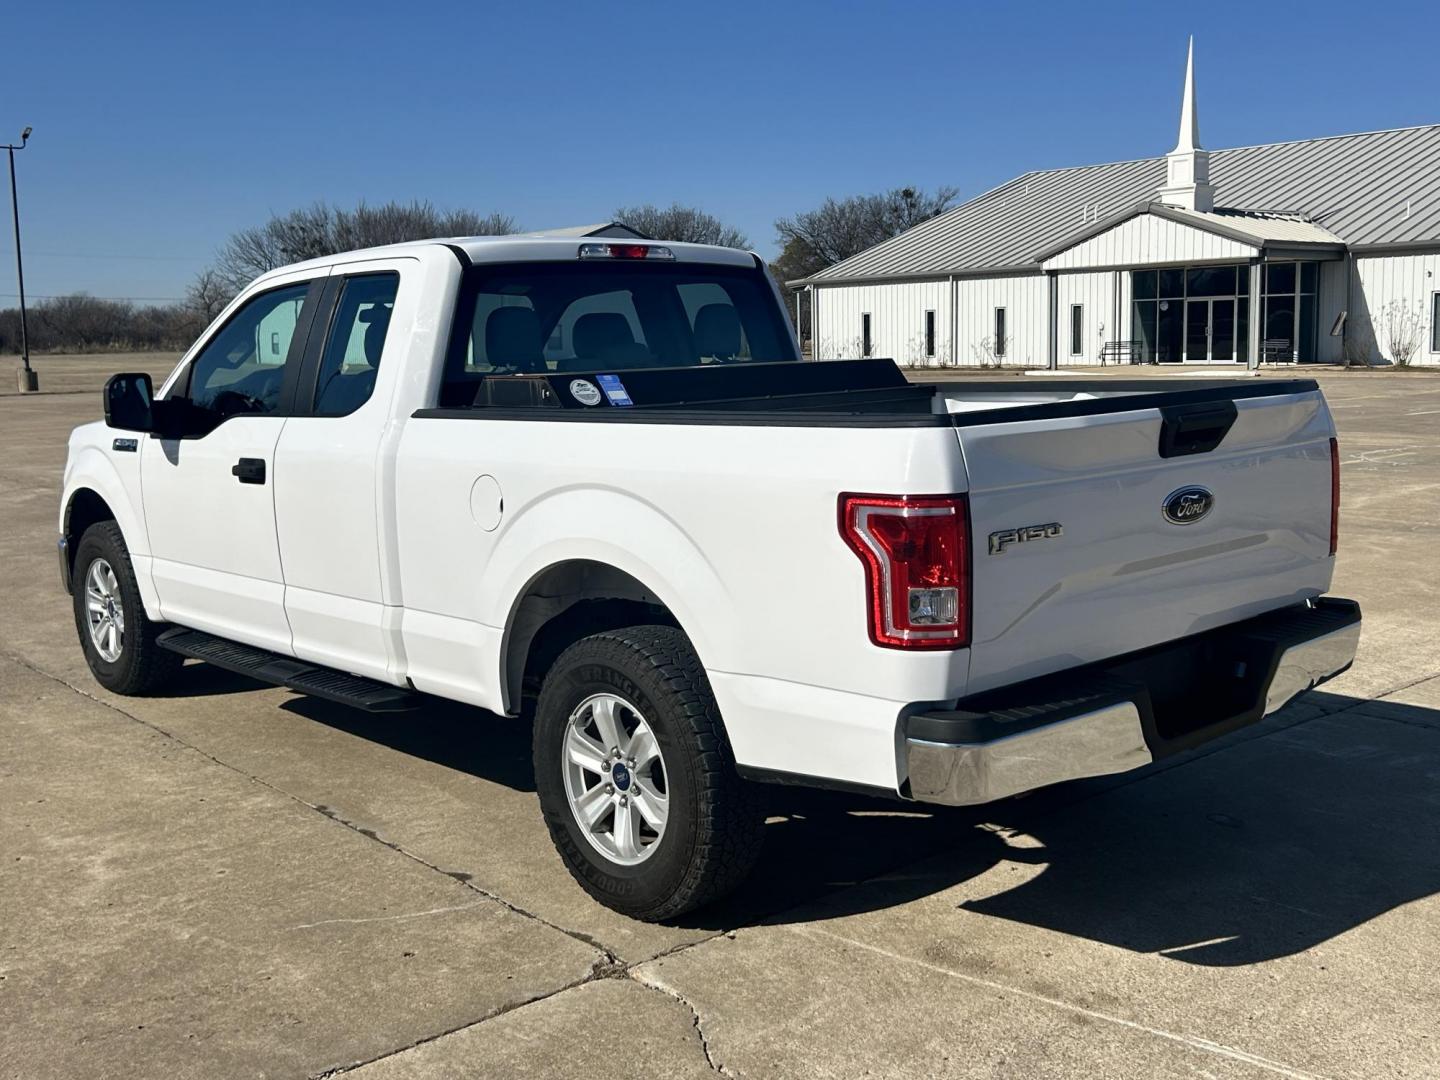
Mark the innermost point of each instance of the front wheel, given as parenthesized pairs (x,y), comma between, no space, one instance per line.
(118,638)
(636,778)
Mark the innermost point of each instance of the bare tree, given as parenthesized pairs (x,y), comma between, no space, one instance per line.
(319,230)
(208,294)
(840,228)
(80,323)
(1402,327)
(683,224)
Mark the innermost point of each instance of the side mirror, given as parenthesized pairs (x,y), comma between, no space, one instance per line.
(128,402)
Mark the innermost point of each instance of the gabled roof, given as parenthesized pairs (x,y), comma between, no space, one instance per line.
(613,229)
(1258,228)
(1375,188)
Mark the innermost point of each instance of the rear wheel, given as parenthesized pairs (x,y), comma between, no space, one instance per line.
(636,777)
(118,638)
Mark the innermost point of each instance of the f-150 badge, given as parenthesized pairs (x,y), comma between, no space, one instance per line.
(999,541)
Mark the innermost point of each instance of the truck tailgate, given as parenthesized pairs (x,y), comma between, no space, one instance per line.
(1075,558)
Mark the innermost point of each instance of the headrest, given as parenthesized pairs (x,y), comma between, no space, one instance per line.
(512,339)
(601,330)
(717,331)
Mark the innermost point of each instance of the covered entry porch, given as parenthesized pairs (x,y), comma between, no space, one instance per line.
(1202,287)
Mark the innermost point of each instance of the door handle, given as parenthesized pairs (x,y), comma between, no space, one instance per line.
(249,470)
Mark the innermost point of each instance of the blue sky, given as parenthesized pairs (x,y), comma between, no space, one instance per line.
(160,129)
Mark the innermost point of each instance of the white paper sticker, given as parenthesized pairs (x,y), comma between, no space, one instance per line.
(585,391)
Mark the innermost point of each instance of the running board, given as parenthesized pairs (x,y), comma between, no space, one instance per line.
(354,690)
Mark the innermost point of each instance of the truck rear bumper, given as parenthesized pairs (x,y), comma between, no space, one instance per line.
(1126,712)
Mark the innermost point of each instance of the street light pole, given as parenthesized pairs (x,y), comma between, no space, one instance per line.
(28,380)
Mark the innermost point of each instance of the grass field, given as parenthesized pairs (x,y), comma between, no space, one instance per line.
(68,373)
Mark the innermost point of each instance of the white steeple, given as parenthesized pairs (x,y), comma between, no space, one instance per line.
(1187,167)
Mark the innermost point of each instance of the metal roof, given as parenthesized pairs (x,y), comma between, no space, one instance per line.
(1379,187)
(1260,226)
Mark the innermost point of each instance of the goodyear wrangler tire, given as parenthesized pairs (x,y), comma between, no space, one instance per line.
(636,778)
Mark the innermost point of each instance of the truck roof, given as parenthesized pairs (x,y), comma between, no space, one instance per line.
(522,248)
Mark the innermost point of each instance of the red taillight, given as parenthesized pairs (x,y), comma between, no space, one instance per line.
(1334,495)
(916,553)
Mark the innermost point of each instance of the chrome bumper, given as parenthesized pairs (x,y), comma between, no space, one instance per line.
(1097,743)
(1310,663)
(1105,719)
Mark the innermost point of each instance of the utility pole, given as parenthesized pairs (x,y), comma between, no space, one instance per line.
(29,382)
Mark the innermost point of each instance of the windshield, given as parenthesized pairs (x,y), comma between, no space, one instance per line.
(528,318)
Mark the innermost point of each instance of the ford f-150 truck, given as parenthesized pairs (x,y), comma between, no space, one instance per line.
(595,480)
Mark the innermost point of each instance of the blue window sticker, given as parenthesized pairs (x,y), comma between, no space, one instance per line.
(614,390)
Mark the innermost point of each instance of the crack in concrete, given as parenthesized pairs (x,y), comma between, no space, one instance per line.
(605,954)
(606,964)
(671,992)
(598,970)
(1195,1042)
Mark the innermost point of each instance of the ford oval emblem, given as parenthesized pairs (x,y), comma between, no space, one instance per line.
(1188,505)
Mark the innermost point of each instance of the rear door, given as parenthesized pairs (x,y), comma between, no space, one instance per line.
(209,500)
(328,480)
(1088,543)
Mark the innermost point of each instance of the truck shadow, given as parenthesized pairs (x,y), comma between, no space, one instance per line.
(1277,840)
(1259,846)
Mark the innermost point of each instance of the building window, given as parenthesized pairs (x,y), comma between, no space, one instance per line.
(1290,309)
(929,333)
(1435,322)
(866,342)
(1199,313)
(1000,341)
(1077,329)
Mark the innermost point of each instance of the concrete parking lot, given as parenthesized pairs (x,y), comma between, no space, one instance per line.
(233,881)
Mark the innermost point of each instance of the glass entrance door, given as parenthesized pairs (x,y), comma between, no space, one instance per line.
(1197,331)
(1210,331)
(1222,331)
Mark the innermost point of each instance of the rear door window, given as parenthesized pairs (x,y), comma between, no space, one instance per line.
(358,330)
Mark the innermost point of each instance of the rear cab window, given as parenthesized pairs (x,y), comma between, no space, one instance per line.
(548,318)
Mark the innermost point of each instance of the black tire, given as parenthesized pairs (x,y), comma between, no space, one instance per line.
(715,820)
(142,666)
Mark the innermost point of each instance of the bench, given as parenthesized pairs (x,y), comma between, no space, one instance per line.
(1123,352)
(1276,351)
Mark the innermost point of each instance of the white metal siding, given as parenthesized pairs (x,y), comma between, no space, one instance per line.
(1027,308)
(1148,240)
(1406,281)
(897,321)
(1095,292)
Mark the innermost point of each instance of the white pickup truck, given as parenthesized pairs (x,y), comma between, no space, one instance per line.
(597,476)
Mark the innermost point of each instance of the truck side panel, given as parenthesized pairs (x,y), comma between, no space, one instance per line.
(733,527)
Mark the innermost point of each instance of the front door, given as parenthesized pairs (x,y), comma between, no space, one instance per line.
(209,500)
(1210,331)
